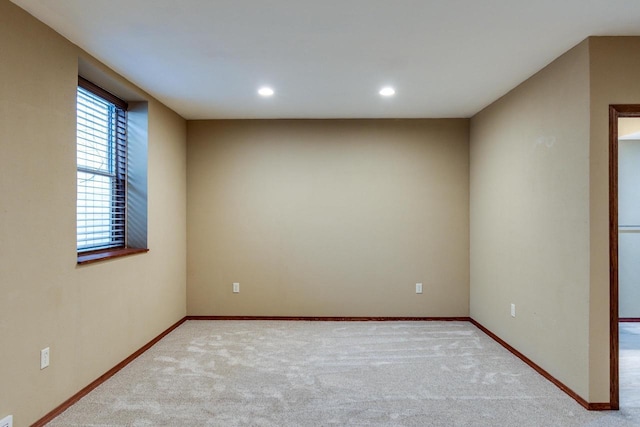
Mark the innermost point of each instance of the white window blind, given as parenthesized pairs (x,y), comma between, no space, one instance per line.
(101,169)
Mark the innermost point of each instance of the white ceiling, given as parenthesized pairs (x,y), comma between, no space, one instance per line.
(328,58)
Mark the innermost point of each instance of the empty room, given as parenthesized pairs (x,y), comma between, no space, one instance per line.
(279,213)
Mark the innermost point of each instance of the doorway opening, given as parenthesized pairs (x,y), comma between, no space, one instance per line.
(624,246)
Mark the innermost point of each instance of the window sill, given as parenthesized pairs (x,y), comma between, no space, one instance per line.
(105,254)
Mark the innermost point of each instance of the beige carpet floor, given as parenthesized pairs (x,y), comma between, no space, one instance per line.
(278,373)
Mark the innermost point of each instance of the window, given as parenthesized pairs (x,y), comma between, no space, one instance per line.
(101,169)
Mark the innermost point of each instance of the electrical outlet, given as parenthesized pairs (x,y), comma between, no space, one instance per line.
(418,288)
(236,288)
(44,359)
(7,421)
(513,310)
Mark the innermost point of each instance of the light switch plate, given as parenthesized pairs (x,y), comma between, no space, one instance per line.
(418,288)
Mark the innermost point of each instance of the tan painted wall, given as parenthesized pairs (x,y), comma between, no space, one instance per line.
(91,317)
(328,217)
(615,67)
(530,218)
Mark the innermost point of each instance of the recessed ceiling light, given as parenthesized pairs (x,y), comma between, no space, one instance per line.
(265,91)
(387,91)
